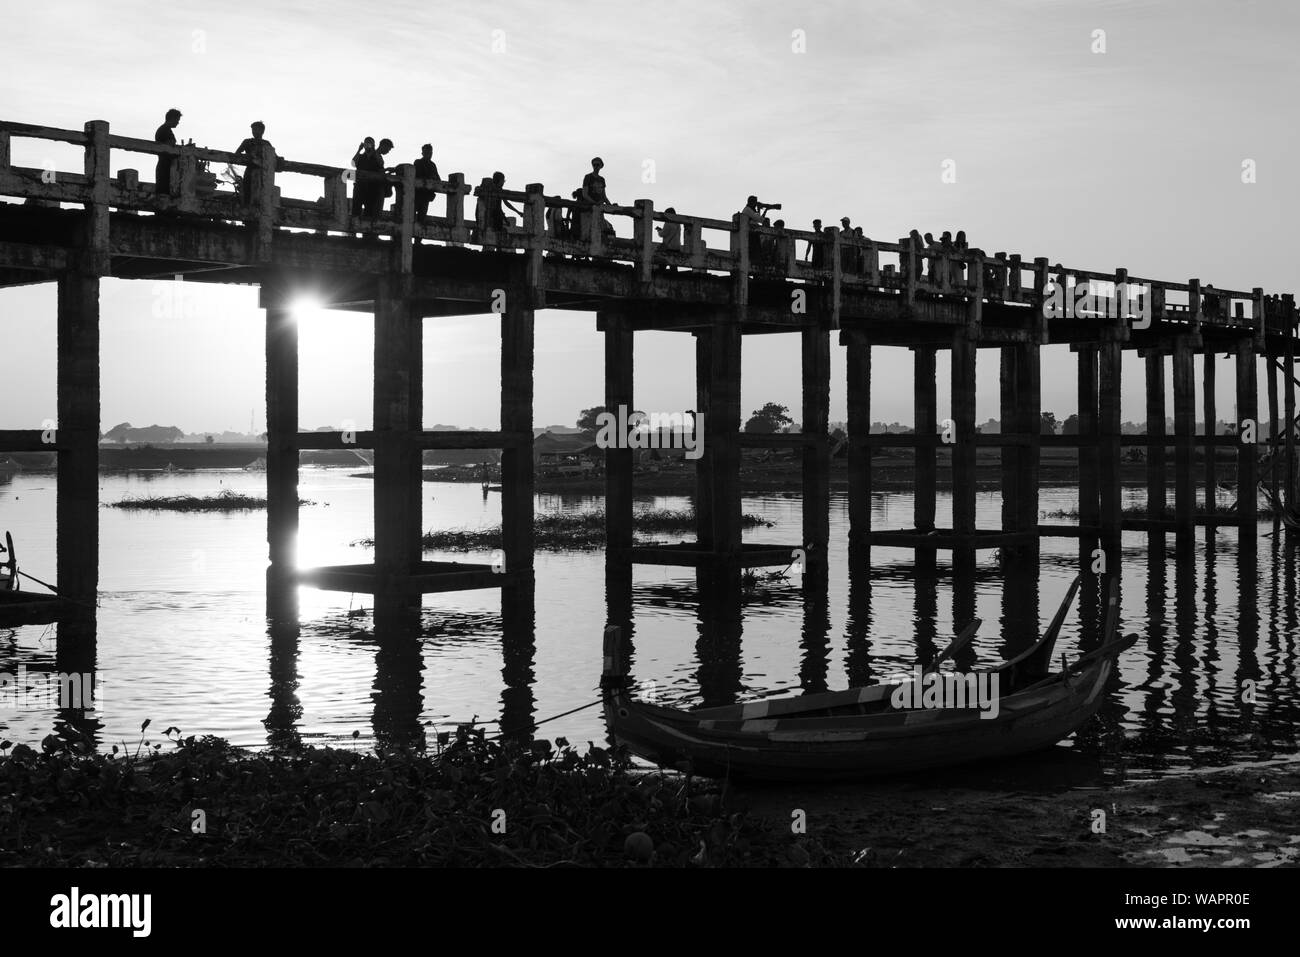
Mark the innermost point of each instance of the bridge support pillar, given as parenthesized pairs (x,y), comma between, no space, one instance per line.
(1110,356)
(1247,458)
(1211,417)
(281,447)
(816,348)
(1156,452)
(1274,473)
(619,358)
(721,402)
(963,460)
(398,407)
(517,479)
(1089,454)
(1184,438)
(1021,415)
(858,363)
(77,498)
(925,458)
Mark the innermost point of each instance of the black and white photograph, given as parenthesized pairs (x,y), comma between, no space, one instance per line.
(655,436)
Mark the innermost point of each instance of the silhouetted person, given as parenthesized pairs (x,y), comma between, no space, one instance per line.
(814,251)
(371,188)
(960,241)
(591,195)
(164,134)
(425,168)
(491,201)
(252,148)
(755,214)
(860,262)
(670,235)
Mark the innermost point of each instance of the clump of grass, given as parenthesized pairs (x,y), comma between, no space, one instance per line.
(69,805)
(569,530)
(227,500)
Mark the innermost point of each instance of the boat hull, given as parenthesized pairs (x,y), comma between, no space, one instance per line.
(847,748)
(28,608)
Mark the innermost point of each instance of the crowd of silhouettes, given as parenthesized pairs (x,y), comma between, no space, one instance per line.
(769,247)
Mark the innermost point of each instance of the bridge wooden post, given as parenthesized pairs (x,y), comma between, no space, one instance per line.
(281,440)
(858,373)
(404,245)
(456,208)
(619,401)
(517,471)
(77,497)
(723,435)
(262,202)
(1288,376)
(4,150)
(1211,417)
(1011,424)
(1029,417)
(926,455)
(1110,356)
(644,230)
(535,222)
(1247,454)
(1156,452)
(962,373)
(1089,451)
(1270,367)
(1184,439)
(704,464)
(816,349)
(398,408)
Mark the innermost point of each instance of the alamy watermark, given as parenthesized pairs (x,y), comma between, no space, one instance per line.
(1130,301)
(656,430)
(45,690)
(948,689)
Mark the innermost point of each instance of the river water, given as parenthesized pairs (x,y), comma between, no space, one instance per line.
(183,638)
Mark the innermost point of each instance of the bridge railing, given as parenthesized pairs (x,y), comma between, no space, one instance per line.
(649,240)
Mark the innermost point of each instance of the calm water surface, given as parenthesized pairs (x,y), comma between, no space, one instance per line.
(183,638)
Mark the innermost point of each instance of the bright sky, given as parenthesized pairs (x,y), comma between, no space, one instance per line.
(1130,158)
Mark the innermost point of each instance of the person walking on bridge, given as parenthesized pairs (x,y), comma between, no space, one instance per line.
(591,195)
(425,168)
(252,148)
(164,135)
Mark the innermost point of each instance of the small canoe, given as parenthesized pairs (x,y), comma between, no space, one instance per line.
(876,730)
(19,607)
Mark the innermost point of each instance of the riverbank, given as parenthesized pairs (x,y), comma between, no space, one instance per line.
(478,802)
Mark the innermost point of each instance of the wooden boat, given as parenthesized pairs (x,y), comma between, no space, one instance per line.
(18,607)
(1291,519)
(863,732)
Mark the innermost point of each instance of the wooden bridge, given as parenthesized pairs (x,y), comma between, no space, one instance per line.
(718,281)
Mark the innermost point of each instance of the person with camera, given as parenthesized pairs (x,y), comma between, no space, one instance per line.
(755,214)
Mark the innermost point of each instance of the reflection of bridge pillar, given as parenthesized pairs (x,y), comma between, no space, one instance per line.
(77,497)
(399,400)
(281,443)
(857,655)
(858,363)
(519,647)
(720,626)
(619,357)
(286,709)
(76,653)
(927,610)
(399,674)
(816,348)
(814,639)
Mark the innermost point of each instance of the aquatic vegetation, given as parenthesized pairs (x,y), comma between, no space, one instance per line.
(227,500)
(475,801)
(570,530)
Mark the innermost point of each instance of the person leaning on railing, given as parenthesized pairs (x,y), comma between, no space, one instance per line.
(164,135)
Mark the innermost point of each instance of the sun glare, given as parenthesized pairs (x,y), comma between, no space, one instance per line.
(306,308)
